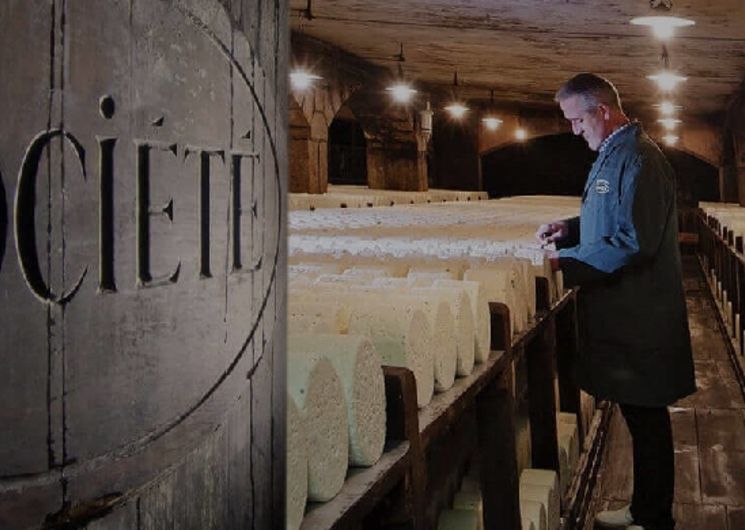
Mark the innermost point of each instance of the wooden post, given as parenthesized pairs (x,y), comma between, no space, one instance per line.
(542,401)
(499,481)
(567,349)
(403,423)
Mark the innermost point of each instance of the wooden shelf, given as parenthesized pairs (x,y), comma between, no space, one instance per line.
(363,490)
(414,479)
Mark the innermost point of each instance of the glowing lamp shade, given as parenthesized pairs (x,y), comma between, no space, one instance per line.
(401,92)
(667,108)
(662,27)
(666,80)
(457,110)
(521,134)
(491,123)
(670,139)
(669,123)
(302,79)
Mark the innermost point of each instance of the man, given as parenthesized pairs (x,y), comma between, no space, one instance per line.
(623,251)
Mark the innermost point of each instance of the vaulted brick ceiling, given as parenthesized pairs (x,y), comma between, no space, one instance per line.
(523,49)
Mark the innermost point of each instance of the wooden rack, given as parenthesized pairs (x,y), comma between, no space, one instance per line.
(427,450)
(723,261)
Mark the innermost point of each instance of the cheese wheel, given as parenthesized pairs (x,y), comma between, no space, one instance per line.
(564,472)
(297,466)
(549,479)
(441,322)
(465,332)
(458,520)
(527,524)
(542,494)
(482,317)
(358,366)
(569,439)
(534,512)
(314,385)
(402,337)
(309,317)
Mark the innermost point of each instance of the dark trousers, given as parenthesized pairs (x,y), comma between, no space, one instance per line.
(654,466)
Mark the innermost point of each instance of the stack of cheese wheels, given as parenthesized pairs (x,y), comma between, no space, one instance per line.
(542,485)
(480,308)
(499,286)
(396,291)
(314,317)
(480,318)
(458,520)
(533,514)
(359,368)
(402,337)
(568,437)
(314,384)
(465,332)
(527,524)
(297,466)
(460,345)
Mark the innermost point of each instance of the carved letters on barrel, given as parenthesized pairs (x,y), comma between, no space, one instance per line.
(140,246)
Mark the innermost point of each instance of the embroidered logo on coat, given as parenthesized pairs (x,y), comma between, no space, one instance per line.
(602,186)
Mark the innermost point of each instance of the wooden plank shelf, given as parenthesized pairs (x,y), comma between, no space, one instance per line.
(417,475)
(439,414)
(363,489)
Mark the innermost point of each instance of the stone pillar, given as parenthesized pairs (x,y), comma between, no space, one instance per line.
(142,263)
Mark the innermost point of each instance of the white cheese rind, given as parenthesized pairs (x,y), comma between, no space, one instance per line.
(316,388)
(535,512)
(402,337)
(359,368)
(297,466)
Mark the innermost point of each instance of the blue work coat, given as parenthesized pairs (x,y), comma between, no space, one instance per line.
(623,251)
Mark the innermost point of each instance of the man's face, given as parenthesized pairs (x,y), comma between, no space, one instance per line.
(591,123)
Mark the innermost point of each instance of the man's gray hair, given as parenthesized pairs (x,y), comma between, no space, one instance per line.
(593,90)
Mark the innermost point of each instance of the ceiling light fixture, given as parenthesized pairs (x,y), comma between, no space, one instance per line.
(662,27)
(670,139)
(669,123)
(401,91)
(456,109)
(490,121)
(667,108)
(521,134)
(667,80)
(302,79)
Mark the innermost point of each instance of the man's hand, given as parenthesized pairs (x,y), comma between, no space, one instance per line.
(551,232)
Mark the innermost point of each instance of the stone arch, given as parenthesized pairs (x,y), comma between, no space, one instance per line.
(311,114)
(347,149)
(394,158)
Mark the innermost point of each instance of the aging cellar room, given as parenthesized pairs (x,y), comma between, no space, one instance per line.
(343,264)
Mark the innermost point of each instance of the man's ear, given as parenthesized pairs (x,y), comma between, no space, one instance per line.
(605,109)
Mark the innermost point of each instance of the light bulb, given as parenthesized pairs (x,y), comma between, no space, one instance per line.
(670,139)
(302,80)
(491,123)
(457,110)
(662,27)
(521,134)
(669,123)
(667,108)
(401,92)
(666,80)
